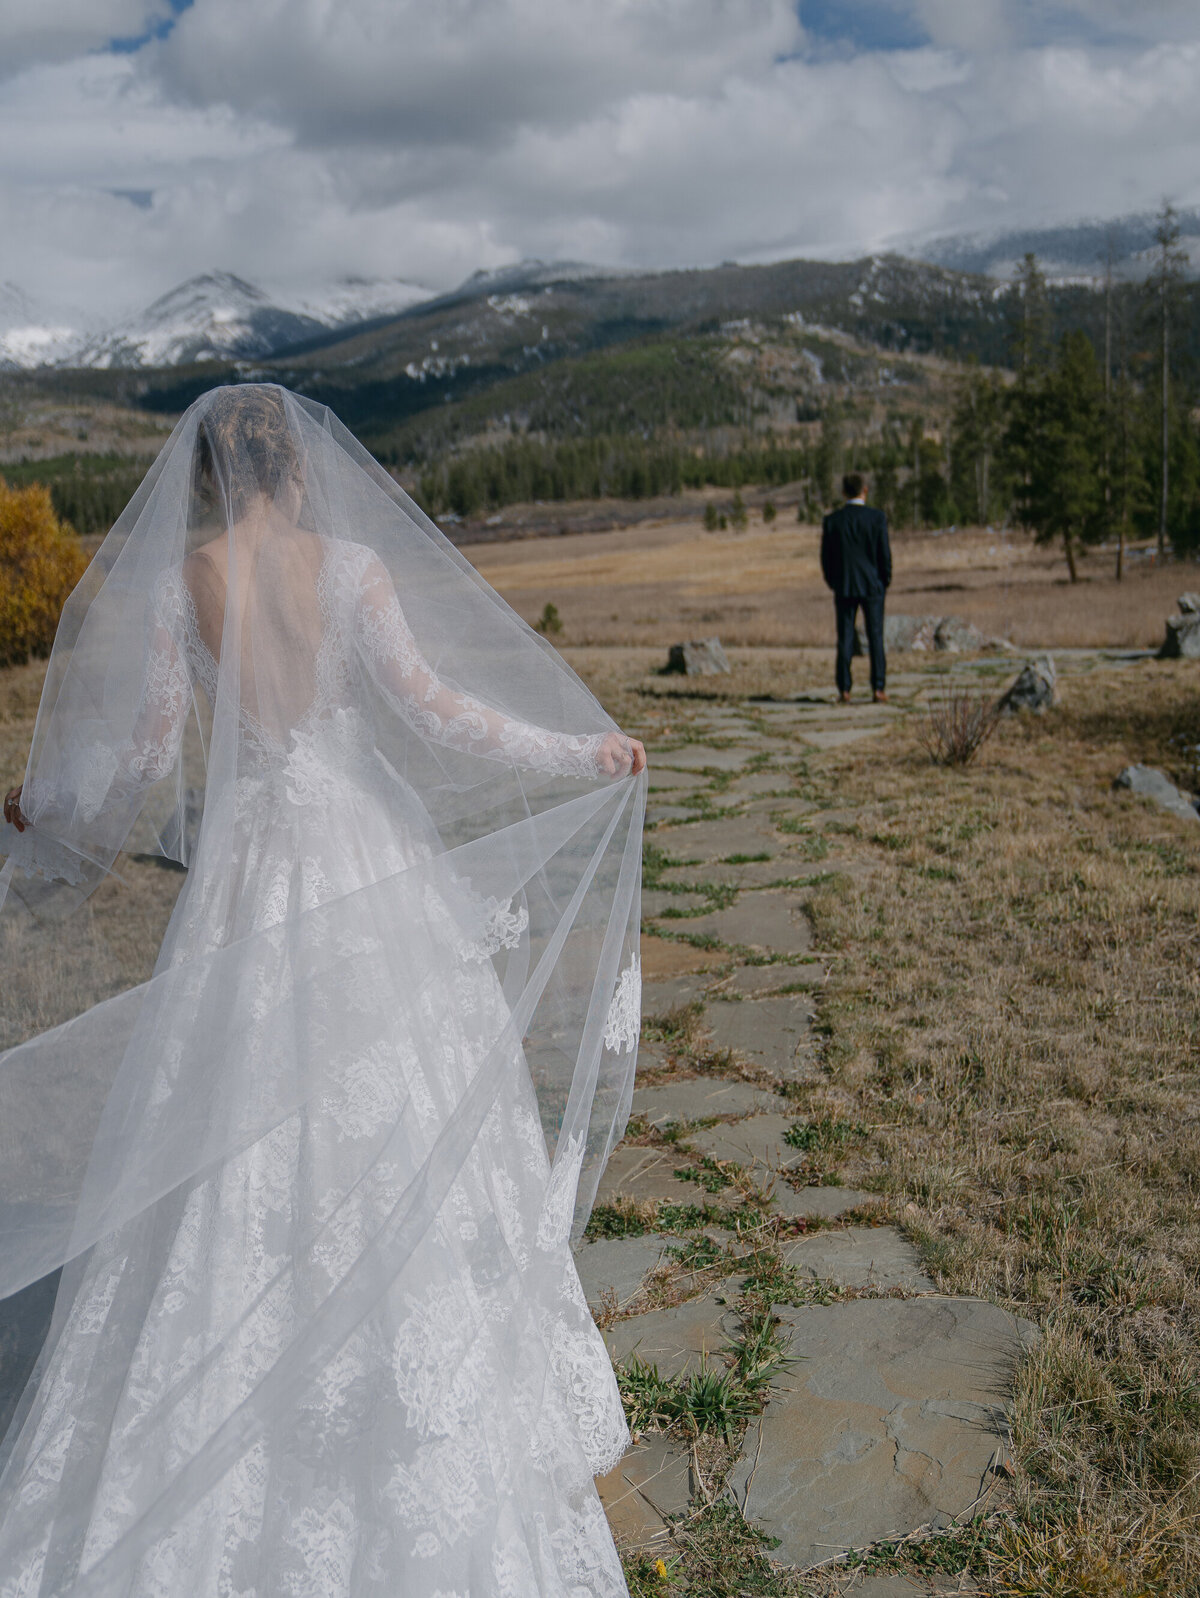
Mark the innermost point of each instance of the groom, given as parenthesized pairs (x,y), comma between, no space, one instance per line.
(856,560)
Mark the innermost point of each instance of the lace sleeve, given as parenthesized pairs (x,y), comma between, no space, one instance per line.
(442,714)
(153,747)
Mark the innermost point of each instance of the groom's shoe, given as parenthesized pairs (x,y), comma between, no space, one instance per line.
(880,697)
(844,697)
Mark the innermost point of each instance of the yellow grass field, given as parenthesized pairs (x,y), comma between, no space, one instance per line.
(659,582)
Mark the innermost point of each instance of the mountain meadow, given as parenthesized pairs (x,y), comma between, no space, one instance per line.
(1002,955)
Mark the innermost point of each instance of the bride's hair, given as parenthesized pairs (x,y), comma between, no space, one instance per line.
(245,448)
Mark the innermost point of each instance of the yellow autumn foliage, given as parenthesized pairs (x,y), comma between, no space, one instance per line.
(41,560)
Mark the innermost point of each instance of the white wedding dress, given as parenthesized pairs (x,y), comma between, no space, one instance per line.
(348,1355)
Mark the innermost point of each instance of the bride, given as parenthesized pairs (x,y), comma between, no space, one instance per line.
(312,1183)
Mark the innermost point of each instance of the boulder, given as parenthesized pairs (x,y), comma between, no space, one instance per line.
(699,657)
(1035,688)
(1152,784)
(958,636)
(910,632)
(1182,641)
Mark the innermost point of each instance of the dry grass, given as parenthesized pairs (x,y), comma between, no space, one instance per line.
(660,581)
(1013,1009)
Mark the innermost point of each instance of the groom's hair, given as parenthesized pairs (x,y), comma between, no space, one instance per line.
(853,484)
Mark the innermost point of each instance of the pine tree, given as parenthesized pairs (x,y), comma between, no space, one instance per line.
(975,431)
(1059,419)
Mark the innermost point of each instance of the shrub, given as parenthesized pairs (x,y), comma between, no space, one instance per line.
(737,513)
(41,560)
(549,622)
(712,517)
(958,727)
(768,511)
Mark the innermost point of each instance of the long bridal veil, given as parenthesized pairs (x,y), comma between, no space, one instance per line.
(314,1176)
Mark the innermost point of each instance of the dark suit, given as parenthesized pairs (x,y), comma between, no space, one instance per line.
(856,559)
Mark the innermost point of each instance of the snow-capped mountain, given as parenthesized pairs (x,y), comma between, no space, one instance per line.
(214,316)
(208,318)
(34,335)
(355,299)
(1073,252)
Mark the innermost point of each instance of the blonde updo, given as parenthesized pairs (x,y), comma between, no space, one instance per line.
(245,448)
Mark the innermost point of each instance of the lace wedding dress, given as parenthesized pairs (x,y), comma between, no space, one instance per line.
(320,1331)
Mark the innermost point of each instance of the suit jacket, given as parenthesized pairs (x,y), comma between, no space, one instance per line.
(856,557)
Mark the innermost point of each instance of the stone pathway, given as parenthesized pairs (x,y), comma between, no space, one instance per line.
(890,1416)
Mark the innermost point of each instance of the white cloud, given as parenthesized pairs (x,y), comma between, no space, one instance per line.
(54,30)
(292,139)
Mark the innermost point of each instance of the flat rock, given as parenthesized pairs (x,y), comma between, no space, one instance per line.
(655,901)
(892,1419)
(760,919)
(700,1098)
(717,840)
(668,993)
(660,815)
(838,737)
(751,981)
(676,1339)
(743,874)
(618,1265)
(651,1482)
(648,1174)
(756,783)
(773,1033)
(817,1203)
(878,1257)
(685,781)
(705,757)
(757,1143)
(1153,784)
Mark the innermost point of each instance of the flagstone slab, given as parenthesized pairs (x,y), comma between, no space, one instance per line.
(753,981)
(703,757)
(774,1033)
(878,1257)
(661,815)
(756,783)
(649,1173)
(839,737)
(657,900)
(756,1143)
(700,1098)
(676,781)
(617,1266)
(651,1482)
(818,1203)
(762,919)
(893,1418)
(745,874)
(718,840)
(677,1339)
(665,994)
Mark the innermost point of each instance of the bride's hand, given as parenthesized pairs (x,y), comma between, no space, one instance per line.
(619,756)
(12,808)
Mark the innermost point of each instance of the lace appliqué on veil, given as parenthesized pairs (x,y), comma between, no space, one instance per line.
(624,1022)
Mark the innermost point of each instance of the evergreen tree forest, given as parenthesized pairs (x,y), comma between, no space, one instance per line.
(1077,440)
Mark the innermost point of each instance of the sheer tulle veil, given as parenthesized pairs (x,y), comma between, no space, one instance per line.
(404,957)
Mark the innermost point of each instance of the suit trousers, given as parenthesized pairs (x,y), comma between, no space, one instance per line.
(872,608)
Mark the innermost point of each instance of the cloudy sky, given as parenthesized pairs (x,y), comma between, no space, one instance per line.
(297,140)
